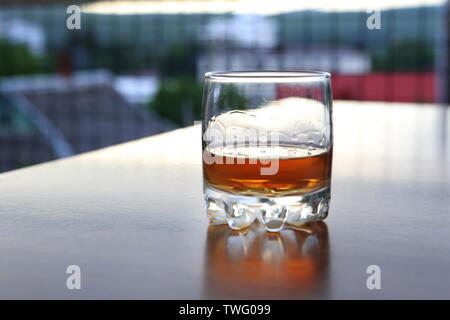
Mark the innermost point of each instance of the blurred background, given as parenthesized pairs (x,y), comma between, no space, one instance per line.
(130,69)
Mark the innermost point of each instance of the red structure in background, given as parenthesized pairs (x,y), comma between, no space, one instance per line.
(64,64)
(395,87)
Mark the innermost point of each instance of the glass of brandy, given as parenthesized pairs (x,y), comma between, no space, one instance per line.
(267,147)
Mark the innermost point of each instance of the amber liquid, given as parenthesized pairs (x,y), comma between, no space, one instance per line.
(300,170)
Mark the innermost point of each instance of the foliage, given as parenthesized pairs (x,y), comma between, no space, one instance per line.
(230,98)
(16,59)
(416,56)
(178,99)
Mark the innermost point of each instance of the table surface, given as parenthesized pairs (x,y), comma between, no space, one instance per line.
(132,218)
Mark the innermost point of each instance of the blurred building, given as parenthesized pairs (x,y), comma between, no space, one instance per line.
(52,116)
(243,30)
(332,59)
(135,67)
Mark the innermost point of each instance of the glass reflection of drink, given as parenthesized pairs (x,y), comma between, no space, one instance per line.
(254,264)
(267,156)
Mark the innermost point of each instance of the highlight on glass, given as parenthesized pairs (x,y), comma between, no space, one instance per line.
(267,147)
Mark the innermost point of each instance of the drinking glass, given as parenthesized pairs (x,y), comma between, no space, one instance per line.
(267,147)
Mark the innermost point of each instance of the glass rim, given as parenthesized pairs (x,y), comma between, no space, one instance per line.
(258,75)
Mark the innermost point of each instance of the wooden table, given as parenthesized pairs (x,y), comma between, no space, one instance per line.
(132,218)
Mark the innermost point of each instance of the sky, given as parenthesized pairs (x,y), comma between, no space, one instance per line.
(246,6)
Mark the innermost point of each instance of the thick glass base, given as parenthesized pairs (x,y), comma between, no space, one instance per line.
(240,211)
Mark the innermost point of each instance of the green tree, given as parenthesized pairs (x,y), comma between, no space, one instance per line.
(230,98)
(16,59)
(406,56)
(178,99)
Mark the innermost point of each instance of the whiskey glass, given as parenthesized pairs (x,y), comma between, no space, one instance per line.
(267,147)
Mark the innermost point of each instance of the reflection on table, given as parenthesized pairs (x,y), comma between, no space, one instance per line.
(255,264)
